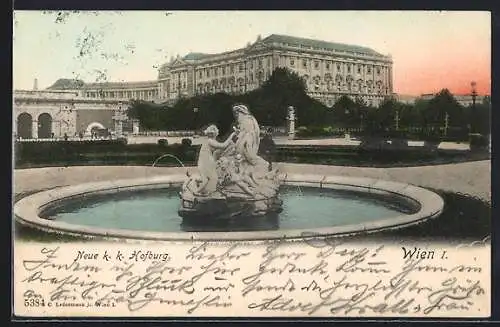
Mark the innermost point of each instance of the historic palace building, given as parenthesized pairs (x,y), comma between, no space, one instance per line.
(330,70)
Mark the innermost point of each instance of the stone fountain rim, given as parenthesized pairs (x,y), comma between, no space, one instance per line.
(27,210)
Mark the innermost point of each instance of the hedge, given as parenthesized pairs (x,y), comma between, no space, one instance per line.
(105,152)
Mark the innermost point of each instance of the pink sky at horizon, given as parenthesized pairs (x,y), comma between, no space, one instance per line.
(451,56)
(427,75)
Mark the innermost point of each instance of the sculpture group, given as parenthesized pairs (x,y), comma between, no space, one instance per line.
(233,179)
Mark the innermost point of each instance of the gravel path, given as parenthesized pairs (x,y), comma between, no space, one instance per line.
(470,178)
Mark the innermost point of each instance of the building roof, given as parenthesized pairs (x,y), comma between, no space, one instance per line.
(298,41)
(67,84)
(75,84)
(196,56)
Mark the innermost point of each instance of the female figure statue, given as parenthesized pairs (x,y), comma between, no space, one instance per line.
(207,160)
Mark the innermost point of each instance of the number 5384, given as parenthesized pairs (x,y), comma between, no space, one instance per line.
(34,302)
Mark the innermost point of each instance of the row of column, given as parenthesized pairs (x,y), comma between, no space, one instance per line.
(119,127)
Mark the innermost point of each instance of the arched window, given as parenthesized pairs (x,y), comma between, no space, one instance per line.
(25,125)
(44,126)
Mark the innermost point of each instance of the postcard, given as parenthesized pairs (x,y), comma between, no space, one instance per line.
(251,164)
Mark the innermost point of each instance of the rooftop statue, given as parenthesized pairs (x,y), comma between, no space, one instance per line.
(234,181)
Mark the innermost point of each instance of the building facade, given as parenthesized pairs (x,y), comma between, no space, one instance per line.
(329,70)
(406,99)
(48,114)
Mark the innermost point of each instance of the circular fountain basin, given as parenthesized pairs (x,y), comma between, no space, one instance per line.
(146,209)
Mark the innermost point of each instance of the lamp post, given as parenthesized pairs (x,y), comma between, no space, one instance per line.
(446,123)
(473,95)
(396,119)
(195,111)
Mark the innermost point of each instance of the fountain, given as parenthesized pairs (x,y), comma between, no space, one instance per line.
(233,182)
(167,155)
(235,195)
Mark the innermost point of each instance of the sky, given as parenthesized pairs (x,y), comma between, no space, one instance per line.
(431,50)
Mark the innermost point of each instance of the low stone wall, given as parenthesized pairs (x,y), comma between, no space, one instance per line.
(29,209)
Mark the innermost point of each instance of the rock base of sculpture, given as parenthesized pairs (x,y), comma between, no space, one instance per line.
(207,209)
(230,202)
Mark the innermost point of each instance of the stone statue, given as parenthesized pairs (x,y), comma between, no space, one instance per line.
(207,160)
(233,179)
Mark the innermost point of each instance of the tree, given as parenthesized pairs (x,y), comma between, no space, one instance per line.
(385,114)
(151,116)
(284,82)
(442,103)
(345,111)
(479,117)
(409,116)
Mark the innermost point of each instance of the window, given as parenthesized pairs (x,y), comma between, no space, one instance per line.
(348,68)
(378,70)
(338,67)
(241,68)
(208,72)
(232,69)
(223,70)
(260,63)
(369,70)
(200,74)
(304,63)
(359,69)
(316,64)
(292,62)
(327,65)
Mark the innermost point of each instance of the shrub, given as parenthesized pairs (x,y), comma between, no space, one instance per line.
(186,142)
(478,141)
(123,140)
(163,142)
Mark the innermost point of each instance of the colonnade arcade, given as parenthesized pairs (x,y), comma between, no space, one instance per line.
(28,128)
(38,117)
